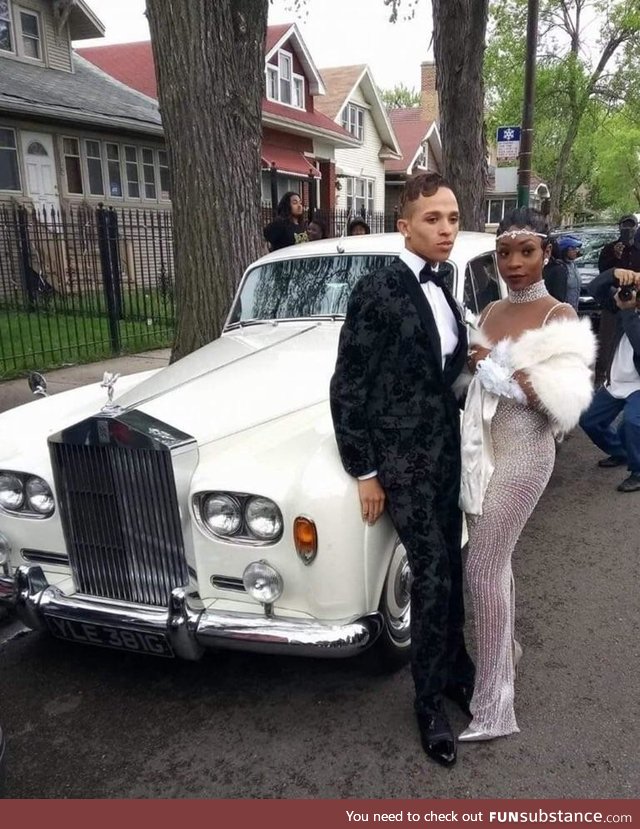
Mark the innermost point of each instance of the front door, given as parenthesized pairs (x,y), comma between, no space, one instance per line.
(39,161)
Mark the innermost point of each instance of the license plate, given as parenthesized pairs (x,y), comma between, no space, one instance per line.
(109,637)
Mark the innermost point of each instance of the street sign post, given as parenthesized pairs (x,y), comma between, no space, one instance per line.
(508,143)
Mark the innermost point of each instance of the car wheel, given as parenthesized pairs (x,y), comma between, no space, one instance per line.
(393,647)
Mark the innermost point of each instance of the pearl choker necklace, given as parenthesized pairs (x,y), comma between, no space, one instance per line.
(536,291)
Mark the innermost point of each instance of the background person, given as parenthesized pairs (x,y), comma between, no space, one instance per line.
(358,227)
(561,274)
(288,227)
(316,230)
(621,391)
(622,253)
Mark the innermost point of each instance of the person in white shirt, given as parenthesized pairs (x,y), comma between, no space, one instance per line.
(397,425)
(619,289)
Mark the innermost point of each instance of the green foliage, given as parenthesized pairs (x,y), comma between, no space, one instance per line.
(586,91)
(400,96)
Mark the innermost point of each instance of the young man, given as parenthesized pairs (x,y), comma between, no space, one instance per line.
(622,253)
(621,391)
(288,227)
(397,426)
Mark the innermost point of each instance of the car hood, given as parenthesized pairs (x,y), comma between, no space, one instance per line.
(249,376)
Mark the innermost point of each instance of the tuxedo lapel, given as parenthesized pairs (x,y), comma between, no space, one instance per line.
(425,313)
(454,362)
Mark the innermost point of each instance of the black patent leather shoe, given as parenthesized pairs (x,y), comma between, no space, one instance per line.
(437,737)
(630,484)
(611,461)
(461,695)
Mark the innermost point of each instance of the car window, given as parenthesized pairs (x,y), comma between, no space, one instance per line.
(305,287)
(481,283)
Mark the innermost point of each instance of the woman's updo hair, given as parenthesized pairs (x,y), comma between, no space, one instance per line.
(525,217)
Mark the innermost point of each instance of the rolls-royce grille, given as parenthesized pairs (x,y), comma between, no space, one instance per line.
(121,521)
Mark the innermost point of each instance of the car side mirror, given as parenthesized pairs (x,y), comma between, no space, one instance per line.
(37,383)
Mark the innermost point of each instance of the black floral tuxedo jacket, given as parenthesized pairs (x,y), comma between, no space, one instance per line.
(389,382)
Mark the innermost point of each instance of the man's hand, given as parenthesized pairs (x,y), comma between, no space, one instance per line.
(626,277)
(372,499)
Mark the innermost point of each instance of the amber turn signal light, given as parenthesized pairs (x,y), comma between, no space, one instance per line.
(305,537)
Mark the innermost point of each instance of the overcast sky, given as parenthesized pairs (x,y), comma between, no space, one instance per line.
(337,32)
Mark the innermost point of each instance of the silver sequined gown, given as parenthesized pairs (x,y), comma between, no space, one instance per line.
(524,453)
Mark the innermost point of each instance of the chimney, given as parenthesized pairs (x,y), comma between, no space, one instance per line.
(428,93)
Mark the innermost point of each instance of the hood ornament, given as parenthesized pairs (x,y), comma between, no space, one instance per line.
(109,381)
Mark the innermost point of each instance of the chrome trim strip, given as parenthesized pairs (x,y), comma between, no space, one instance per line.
(189,627)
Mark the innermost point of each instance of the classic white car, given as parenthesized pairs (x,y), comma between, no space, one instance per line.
(206,505)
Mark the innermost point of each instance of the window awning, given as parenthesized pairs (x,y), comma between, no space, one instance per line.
(287,161)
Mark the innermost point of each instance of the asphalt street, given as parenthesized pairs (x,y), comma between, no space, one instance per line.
(91,723)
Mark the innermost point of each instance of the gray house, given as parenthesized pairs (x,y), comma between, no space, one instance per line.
(71,135)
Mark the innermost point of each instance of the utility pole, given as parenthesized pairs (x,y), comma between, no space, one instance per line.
(526,138)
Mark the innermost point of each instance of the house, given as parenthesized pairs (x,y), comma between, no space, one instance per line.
(69,133)
(353,101)
(299,142)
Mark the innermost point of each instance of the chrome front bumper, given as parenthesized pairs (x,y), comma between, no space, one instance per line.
(190,628)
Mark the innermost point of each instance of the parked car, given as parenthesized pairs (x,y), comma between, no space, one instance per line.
(205,505)
(593,239)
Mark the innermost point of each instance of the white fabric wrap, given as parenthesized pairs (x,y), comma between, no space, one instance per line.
(558,360)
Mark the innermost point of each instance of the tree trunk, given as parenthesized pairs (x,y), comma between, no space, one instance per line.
(459,30)
(209,59)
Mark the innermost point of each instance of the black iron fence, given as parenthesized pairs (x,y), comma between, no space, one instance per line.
(89,283)
(83,284)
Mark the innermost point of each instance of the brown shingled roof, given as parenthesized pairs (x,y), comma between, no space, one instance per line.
(410,128)
(339,81)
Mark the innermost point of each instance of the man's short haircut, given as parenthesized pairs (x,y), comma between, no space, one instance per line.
(421,184)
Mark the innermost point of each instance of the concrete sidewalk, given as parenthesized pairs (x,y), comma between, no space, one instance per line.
(16,392)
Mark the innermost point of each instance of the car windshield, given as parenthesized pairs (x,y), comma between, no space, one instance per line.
(592,243)
(310,286)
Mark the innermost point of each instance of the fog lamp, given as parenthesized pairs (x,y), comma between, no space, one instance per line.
(262,582)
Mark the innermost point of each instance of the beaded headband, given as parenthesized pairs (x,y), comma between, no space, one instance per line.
(520,232)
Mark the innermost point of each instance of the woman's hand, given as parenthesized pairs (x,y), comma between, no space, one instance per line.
(477,353)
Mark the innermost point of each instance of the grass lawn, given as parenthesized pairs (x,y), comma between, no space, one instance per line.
(50,339)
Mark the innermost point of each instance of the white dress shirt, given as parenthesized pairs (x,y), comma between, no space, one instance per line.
(442,314)
(624,377)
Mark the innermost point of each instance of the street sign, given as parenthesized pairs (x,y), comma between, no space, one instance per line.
(508,143)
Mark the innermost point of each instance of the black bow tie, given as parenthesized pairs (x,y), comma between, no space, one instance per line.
(427,274)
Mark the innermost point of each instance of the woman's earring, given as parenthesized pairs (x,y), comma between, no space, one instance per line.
(546,260)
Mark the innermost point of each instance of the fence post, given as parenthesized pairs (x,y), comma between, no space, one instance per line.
(273,177)
(28,290)
(114,258)
(312,195)
(102,221)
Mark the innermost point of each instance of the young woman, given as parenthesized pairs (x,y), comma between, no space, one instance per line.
(288,227)
(530,363)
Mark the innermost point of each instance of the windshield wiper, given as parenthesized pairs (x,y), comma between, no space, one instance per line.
(243,323)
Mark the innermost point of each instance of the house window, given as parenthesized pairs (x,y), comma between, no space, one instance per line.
(360,195)
(353,120)
(283,84)
(497,208)
(73,172)
(113,170)
(94,167)
(284,65)
(148,174)
(30,31)
(163,167)
(6,40)
(272,83)
(9,170)
(133,176)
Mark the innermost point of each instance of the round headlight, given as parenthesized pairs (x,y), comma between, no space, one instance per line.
(262,582)
(11,491)
(221,513)
(39,496)
(263,518)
